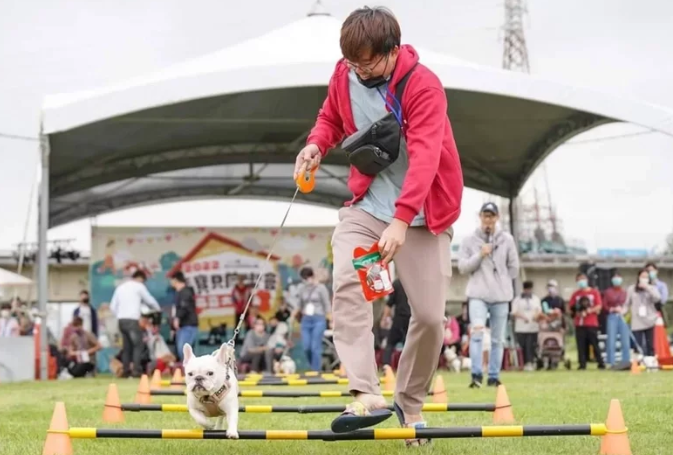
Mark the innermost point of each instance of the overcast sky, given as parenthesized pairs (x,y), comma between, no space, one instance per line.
(611,193)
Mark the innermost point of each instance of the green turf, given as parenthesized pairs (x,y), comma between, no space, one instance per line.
(538,398)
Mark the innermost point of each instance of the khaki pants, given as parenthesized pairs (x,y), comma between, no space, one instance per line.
(423,265)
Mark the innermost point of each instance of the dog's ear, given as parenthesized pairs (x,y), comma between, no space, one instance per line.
(187,353)
(225,354)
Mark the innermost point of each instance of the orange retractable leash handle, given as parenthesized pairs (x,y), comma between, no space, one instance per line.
(306,179)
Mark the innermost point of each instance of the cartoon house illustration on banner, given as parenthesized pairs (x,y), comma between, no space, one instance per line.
(212,268)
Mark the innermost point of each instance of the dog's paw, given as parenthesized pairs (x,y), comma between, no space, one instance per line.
(232,434)
(208,426)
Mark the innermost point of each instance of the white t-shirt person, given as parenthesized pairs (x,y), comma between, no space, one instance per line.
(526,308)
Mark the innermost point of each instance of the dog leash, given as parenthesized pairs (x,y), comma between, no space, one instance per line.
(305,183)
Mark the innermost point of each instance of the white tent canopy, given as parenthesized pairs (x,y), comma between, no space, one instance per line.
(9,279)
(251,105)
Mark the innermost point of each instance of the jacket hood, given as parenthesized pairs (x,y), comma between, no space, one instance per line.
(406,60)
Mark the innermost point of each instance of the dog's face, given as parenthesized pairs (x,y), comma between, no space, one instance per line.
(205,375)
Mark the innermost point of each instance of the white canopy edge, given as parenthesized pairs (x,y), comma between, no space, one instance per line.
(8,278)
(303,54)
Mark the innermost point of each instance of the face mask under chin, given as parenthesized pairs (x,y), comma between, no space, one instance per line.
(372,82)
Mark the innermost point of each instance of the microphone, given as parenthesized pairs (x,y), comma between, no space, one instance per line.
(490,242)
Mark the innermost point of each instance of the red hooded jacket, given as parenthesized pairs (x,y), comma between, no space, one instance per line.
(434,179)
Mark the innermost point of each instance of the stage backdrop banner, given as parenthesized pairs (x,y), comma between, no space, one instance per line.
(211,259)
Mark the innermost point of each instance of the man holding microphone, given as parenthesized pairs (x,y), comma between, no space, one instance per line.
(491,258)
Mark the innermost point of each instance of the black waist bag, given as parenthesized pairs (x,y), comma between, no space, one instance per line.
(375,148)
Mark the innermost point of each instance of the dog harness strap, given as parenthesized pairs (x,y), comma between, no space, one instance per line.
(211,402)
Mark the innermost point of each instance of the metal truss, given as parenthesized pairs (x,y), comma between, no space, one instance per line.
(106,204)
(555,136)
(99,173)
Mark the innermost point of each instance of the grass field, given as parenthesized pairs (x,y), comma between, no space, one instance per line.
(537,398)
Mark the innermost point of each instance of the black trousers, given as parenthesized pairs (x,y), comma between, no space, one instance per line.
(256,360)
(132,350)
(528,344)
(79,370)
(397,334)
(587,336)
(645,338)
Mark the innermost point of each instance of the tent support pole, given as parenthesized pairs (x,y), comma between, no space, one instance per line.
(42,257)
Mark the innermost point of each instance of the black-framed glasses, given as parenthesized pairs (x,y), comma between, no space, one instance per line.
(365,69)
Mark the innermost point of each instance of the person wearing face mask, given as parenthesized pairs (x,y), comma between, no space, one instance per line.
(314,310)
(88,314)
(614,299)
(659,284)
(82,349)
(527,311)
(584,305)
(554,307)
(407,187)
(491,259)
(641,299)
(9,326)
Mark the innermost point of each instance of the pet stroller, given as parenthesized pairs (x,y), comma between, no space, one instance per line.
(551,346)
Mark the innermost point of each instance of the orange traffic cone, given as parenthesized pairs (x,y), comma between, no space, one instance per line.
(156,380)
(342,370)
(661,347)
(439,394)
(503,408)
(112,411)
(389,378)
(143,393)
(616,441)
(177,378)
(635,367)
(58,440)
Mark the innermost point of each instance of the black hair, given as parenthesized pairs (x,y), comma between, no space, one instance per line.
(306,273)
(139,274)
(179,276)
(528,285)
(641,271)
(581,274)
(651,264)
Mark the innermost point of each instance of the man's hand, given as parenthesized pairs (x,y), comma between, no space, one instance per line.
(486,249)
(309,155)
(392,238)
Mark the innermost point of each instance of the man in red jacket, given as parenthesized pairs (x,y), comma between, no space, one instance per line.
(408,208)
(585,304)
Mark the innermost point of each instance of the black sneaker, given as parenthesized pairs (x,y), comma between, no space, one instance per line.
(493,382)
(476,382)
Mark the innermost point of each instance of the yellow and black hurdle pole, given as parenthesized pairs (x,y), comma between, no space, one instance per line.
(359,435)
(309,409)
(252,382)
(276,393)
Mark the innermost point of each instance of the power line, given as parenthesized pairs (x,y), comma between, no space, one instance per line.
(19,137)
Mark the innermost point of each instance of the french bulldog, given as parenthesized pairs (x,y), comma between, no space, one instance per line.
(212,388)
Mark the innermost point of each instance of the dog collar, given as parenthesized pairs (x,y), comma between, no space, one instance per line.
(217,396)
